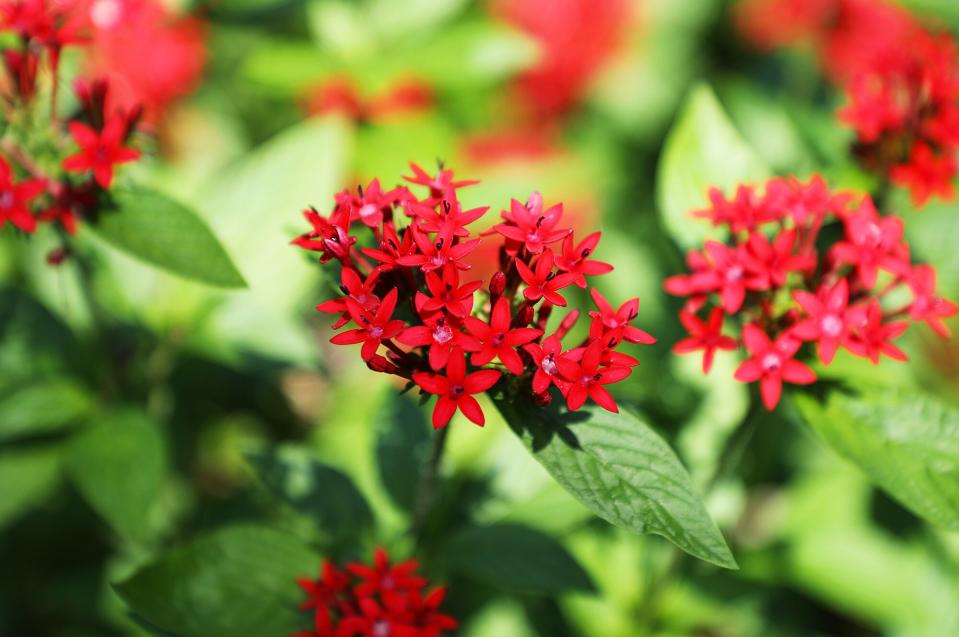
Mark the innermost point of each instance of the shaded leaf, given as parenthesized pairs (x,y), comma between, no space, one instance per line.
(119,466)
(160,231)
(621,470)
(313,489)
(906,444)
(28,477)
(41,406)
(516,559)
(402,449)
(702,150)
(237,582)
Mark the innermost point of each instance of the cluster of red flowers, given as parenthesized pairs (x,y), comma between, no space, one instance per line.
(408,293)
(786,288)
(28,194)
(378,600)
(901,82)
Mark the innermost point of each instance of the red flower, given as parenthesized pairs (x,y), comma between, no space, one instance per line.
(374,327)
(356,288)
(771,263)
(391,248)
(375,621)
(705,335)
(772,363)
(926,306)
(439,184)
(871,243)
(744,213)
(448,294)
(551,365)
(719,269)
(616,323)
(872,337)
(328,237)
(927,174)
(542,282)
(455,390)
(588,378)
(15,198)
(531,227)
(576,261)
(828,321)
(383,578)
(100,152)
(442,337)
(498,340)
(436,254)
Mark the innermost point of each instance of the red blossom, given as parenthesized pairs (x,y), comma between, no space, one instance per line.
(772,363)
(455,389)
(586,380)
(704,335)
(15,198)
(827,319)
(498,340)
(871,243)
(531,227)
(575,259)
(873,336)
(616,323)
(926,306)
(541,282)
(375,327)
(100,152)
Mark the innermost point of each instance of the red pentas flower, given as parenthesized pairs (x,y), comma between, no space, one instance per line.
(100,151)
(15,198)
(787,283)
(377,600)
(409,297)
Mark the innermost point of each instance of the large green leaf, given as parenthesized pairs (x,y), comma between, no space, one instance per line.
(41,406)
(516,559)
(160,231)
(27,477)
(621,469)
(906,444)
(237,582)
(313,489)
(119,466)
(402,449)
(702,150)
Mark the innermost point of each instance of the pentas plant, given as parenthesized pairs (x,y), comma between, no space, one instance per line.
(408,298)
(59,175)
(374,600)
(790,287)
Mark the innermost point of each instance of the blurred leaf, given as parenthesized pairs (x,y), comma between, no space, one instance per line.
(28,477)
(702,150)
(907,444)
(402,449)
(119,465)
(237,582)
(158,230)
(313,489)
(286,67)
(41,406)
(621,470)
(516,559)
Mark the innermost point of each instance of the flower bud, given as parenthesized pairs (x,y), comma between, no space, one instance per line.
(544,399)
(497,284)
(568,322)
(525,314)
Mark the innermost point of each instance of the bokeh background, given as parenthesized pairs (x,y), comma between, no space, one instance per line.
(260,108)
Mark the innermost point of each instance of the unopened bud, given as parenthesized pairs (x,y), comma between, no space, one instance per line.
(544,399)
(568,322)
(497,284)
(543,315)
(379,363)
(58,256)
(525,315)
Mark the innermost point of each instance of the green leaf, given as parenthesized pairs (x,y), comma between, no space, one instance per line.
(28,477)
(516,559)
(41,406)
(402,449)
(701,151)
(237,582)
(621,469)
(908,444)
(162,232)
(314,489)
(119,465)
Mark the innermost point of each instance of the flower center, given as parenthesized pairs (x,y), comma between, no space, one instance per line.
(533,237)
(105,14)
(831,325)
(734,273)
(101,154)
(549,365)
(438,261)
(442,334)
(498,340)
(368,211)
(457,390)
(586,379)
(376,331)
(6,199)
(381,629)
(771,362)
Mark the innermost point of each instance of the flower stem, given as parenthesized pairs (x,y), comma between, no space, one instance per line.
(429,483)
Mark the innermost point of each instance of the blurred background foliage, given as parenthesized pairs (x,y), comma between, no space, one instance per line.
(166,409)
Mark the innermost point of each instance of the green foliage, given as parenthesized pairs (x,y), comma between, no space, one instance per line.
(516,559)
(907,444)
(160,231)
(326,495)
(237,582)
(702,150)
(41,406)
(119,466)
(402,449)
(28,476)
(621,470)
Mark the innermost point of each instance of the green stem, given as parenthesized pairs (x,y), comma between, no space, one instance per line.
(429,482)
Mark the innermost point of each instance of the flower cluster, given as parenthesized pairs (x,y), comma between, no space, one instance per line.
(407,292)
(375,600)
(901,82)
(788,283)
(59,178)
